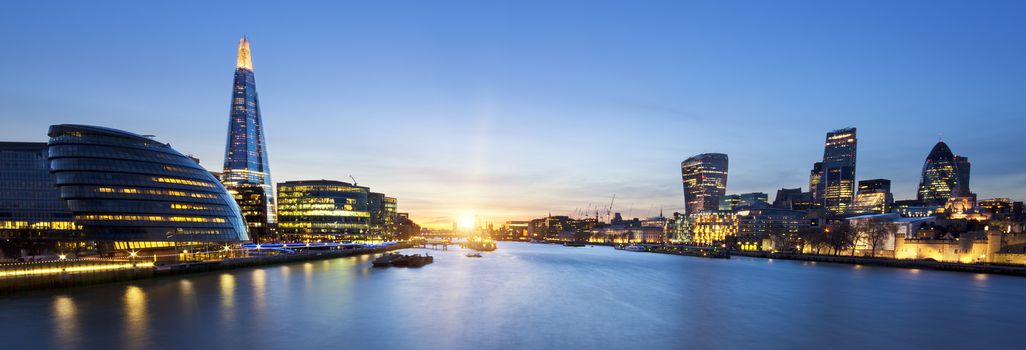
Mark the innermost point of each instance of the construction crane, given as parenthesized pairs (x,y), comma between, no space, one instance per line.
(609,211)
(354,179)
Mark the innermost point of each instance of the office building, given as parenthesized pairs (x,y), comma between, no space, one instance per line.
(874,197)
(815,177)
(131,192)
(940,177)
(323,210)
(33,218)
(734,202)
(247,173)
(837,187)
(705,181)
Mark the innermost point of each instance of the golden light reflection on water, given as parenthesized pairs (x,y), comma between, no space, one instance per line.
(187,296)
(227,285)
(136,325)
(308,275)
(259,289)
(66,330)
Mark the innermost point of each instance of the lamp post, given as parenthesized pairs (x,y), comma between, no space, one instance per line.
(131,257)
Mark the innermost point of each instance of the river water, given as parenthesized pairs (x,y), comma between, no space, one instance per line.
(531,296)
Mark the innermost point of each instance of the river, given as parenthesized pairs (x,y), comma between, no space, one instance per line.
(530,296)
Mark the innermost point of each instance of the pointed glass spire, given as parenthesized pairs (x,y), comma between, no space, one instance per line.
(247,174)
(245,61)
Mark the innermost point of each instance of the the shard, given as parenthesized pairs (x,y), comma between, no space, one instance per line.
(247,175)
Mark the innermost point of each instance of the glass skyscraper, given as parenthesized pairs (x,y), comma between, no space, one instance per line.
(247,174)
(940,177)
(837,186)
(705,181)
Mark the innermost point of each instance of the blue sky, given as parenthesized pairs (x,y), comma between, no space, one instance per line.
(516,109)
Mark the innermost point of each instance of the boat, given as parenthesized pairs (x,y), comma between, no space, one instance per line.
(574,244)
(415,260)
(635,248)
(474,255)
(386,260)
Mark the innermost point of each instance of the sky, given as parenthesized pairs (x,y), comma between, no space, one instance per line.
(517,109)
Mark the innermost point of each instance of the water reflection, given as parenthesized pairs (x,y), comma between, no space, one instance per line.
(65,322)
(187,296)
(529,297)
(259,290)
(135,322)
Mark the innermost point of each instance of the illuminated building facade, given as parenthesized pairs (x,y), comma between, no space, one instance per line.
(137,192)
(382,211)
(32,215)
(837,186)
(247,174)
(323,210)
(712,227)
(705,181)
(874,197)
(940,177)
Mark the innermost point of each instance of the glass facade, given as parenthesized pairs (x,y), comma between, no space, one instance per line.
(323,210)
(874,197)
(837,185)
(124,187)
(705,181)
(940,176)
(32,213)
(247,174)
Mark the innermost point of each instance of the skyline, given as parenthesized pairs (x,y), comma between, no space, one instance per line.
(508,138)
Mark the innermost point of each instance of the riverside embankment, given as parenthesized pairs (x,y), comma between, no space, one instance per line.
(73,273)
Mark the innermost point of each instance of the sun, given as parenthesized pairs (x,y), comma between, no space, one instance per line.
(466,222)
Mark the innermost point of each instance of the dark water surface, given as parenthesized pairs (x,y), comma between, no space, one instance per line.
(526,296)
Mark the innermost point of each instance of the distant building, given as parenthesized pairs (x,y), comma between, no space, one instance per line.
(794,199)
(874,197)
(323,210)
(705,181)
(962,168)
(382,211)
(247,173)
(940,177)
(131,192)
(837,187)
(734,202)
(516,230)
(33,218)
(815,178)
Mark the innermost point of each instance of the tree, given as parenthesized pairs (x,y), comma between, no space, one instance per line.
(813,237)
(876,232)
(839,235)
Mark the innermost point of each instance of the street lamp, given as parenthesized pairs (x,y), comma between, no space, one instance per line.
(131,257)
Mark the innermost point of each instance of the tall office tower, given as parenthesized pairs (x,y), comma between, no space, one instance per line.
(962,167)
(940,176)
(705,181)
(815,177)
(837,187)
(874,197)
(247,174)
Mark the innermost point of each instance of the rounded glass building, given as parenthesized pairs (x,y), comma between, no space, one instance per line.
(123,187)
